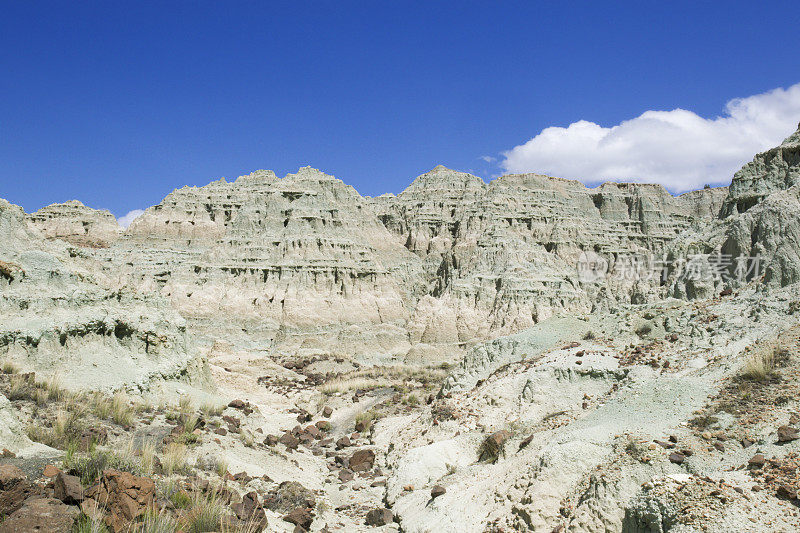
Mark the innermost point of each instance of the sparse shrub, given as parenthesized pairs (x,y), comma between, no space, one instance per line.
(205,514)
(221,467)
(90,466)
(411,400)
(181,499)
(55,392)
(703,421)
(157,522)
(20,388)
(86,524)
(210,410)
(366,419)
(65,431)
(174,458)
(589,336)
(100,405)
(40,397)
(763,361)
(190,423)
(185,405)
(8,367)
(121,410)
(643,330)
(147,456)
(247,438)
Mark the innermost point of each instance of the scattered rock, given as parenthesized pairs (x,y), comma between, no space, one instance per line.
(437,491)
(379,517)
(362,460)
(787,434)
(237,404)
(289,495)
(50,471)
(300,516)
(677,458)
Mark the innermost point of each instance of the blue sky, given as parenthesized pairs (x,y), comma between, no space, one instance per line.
(118,103)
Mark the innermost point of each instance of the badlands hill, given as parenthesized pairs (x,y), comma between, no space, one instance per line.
(524,355)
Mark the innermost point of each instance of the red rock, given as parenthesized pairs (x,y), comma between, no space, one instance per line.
(379,517)
(124,496)
(786,492)
(10,475)
(327,412)
(41,515)
(15,489)
(787,434)
(290,441)
(300,516)
(68,489)
(757,461)
(362,460)
(50,471)
(237,404)
(677,458)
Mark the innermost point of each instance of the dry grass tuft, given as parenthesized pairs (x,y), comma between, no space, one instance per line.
(173,460)
(121,411)
(763,362)
(399,377)
(210,410)
(157,522)
(8,367)
(205,514)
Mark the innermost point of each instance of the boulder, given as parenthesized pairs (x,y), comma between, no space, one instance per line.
(68,489)
(787,434)
(290,441)
(249,509)
(300,516)
(14,489)
(289,495)
(362,460)
(124,496)
(41,515)
(379,517)
(437,491)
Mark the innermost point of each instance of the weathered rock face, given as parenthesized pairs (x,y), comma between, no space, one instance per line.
(775,170)
(755,237)
(501,257)
(76,224)
(308,265)
(291,256)
(60,312)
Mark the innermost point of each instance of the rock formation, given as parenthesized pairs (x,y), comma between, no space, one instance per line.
(77,224)
(434,360)
(60,312)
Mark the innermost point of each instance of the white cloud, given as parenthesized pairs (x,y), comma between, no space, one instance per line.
(678,149)
(488,158)
(126,220)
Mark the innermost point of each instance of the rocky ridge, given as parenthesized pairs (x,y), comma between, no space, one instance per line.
(430,361)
